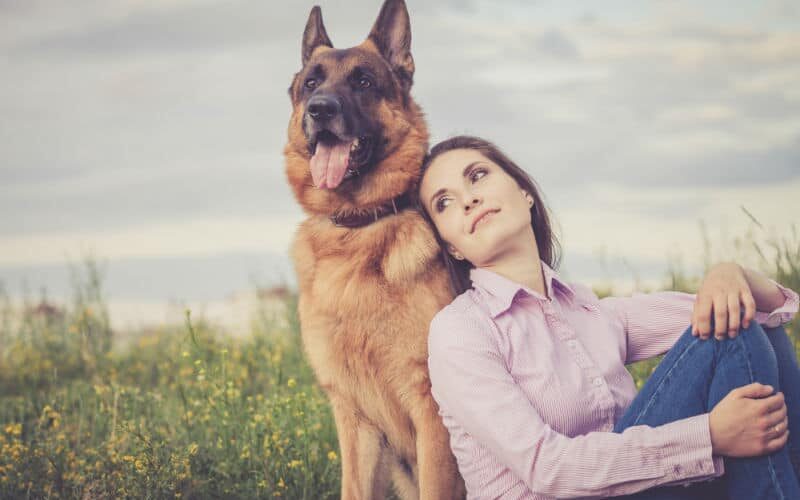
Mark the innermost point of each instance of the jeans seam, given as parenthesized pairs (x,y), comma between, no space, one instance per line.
(770,465)
(663,379)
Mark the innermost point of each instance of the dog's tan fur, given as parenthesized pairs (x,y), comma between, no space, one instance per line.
(367,296)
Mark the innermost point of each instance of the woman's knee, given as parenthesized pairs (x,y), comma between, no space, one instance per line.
(754,337)
(755,348)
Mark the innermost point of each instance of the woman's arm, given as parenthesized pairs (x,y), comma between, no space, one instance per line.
(652,322)
(766,293)
(472,385)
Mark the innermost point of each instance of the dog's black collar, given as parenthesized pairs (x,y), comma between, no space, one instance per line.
(364,217)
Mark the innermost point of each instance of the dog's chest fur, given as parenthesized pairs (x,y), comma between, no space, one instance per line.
(366,299)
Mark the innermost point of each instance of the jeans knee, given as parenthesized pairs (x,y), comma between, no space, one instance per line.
(755,342)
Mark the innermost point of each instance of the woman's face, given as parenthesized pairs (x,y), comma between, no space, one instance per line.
(479,210)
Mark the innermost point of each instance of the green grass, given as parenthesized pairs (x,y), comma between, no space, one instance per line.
(183,412)
(180,413)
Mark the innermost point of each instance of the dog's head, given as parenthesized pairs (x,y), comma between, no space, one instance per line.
(356,137)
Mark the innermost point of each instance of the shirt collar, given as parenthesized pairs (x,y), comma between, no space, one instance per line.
(500,291)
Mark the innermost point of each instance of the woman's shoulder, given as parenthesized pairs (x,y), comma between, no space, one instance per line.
(461,320)
(582,292)
(458,310)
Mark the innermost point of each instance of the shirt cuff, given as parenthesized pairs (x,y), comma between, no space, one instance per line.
(686,452)
(784,313)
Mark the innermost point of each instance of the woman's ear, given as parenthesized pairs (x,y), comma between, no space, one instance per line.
(455,253)
(528,197)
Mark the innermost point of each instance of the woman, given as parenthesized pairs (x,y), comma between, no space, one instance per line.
(529,374)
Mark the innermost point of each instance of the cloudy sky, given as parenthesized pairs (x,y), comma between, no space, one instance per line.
(149,134)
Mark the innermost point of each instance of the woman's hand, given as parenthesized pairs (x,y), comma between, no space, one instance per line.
(725,291)
(743,423)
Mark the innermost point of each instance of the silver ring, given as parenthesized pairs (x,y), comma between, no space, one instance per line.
(777,429)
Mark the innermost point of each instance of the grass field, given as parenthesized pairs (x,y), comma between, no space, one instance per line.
(184,411)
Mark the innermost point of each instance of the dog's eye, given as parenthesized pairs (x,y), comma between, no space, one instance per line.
(364,82)
(311,83)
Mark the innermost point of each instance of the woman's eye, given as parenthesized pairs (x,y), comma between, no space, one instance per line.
(311,83)
(441,204)
(477,174)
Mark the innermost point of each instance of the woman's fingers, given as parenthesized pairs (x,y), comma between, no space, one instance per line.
(775,418)
(777,443)
(773,403)
(733,315)
(727,311)
(702,308)
(749,307)
(720,316)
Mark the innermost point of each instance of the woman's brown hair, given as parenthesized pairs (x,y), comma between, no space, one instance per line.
(546,241)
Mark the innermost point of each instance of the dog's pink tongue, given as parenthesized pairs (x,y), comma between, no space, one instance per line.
(329,164)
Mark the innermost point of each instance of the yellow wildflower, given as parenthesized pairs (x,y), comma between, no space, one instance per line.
(14,429)
(332,456)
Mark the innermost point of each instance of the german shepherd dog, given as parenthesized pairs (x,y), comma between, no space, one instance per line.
(369,271)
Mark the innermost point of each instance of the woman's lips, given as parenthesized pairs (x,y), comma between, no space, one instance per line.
(484,217)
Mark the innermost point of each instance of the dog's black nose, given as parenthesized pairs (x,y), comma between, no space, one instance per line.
(324,107)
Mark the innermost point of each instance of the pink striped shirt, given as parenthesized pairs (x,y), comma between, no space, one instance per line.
(530,389)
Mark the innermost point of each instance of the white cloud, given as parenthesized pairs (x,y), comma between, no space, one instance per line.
(656,223)
(542,75)
(173,238)
(709,113)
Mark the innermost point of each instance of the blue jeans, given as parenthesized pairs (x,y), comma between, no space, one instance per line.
(693,377)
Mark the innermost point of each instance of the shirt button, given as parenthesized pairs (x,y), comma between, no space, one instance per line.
(598,381)
(573,344)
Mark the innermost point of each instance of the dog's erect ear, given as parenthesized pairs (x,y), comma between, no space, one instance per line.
(392,35)
(315,34)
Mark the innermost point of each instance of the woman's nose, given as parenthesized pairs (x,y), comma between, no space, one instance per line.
(471,202)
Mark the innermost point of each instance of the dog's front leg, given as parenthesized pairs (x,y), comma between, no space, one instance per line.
(438,471)
(361,446)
